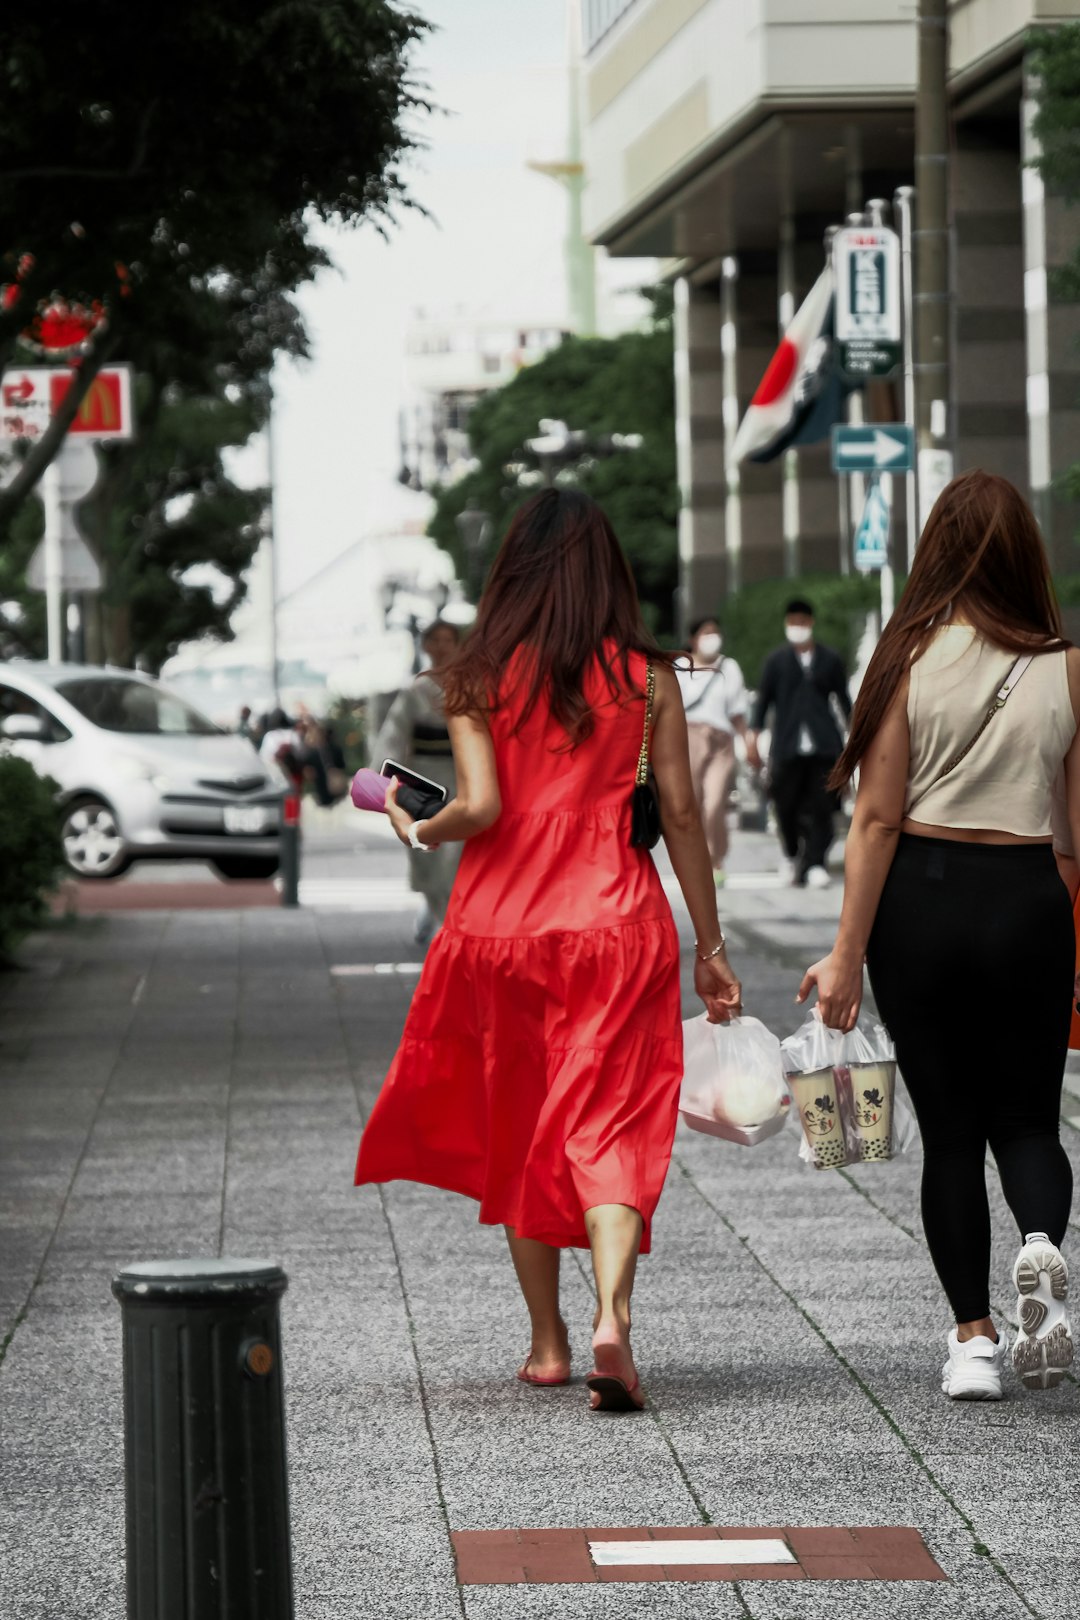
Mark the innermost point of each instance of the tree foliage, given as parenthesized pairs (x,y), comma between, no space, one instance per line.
(158,164)
(604,386)
(31,853)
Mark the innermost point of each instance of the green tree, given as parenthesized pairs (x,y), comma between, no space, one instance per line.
(153,162)
(604,386)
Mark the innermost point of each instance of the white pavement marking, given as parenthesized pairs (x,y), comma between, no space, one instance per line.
(386,894)
(364,970)
(607,1554)
(136,994)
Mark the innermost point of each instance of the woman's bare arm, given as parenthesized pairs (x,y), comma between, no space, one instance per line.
(871,846)
(685,839)
(477,803)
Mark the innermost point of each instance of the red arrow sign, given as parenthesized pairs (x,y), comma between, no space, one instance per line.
(19,392)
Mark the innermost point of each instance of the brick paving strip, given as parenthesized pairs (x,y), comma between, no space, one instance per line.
(534,1557)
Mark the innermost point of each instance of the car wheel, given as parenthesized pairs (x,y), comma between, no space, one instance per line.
(246,866)
(93,846)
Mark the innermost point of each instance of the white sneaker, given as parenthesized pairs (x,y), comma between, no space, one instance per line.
(788,871)
(818,878)
(973,1370)
(1044,1346)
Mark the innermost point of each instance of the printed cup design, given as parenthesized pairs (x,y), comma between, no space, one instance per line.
(817,1100)
(872,1089)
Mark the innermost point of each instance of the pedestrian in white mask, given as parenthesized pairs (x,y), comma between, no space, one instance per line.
(714,696)
(797,683)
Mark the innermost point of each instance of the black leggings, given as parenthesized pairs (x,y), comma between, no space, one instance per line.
(971,962)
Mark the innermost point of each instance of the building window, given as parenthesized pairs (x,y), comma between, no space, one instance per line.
(599,16)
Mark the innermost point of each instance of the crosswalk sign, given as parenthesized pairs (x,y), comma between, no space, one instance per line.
(872,535)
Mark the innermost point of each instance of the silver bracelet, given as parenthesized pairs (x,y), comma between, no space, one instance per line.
(710,954)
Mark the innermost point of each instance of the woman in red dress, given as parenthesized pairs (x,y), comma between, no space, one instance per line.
(540,1065)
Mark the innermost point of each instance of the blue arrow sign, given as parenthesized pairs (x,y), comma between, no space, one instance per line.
(877,447)
(872,535)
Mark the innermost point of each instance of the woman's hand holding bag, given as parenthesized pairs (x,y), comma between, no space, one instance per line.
(838,979)
(719,989)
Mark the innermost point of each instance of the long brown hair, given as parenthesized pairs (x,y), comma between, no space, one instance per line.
(560,589)
(981,555)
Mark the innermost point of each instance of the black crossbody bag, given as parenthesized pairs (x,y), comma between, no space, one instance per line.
(644,798)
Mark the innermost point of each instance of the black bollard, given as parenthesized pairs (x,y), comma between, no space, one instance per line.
(204,1441)
(290,848)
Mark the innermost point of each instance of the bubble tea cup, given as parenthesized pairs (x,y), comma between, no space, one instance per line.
(872,1089)
(816,1096)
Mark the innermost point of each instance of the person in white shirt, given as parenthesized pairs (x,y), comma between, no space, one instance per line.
(714,697)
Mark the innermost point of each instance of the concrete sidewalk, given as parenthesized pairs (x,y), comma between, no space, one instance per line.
(194,1083)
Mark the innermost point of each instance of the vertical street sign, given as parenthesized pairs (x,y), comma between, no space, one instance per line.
(866,263)
(872,535)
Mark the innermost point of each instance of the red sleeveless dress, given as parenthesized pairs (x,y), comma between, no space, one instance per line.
(540,1065)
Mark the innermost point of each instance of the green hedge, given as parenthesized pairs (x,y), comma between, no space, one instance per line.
(753,620)
(31,854)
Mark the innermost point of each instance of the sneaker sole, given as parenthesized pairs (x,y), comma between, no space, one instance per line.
(1041,1361)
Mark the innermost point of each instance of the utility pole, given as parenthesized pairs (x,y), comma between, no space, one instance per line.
(931,241)
(579,254)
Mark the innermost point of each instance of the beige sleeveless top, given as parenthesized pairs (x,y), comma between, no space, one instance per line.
(1006,782)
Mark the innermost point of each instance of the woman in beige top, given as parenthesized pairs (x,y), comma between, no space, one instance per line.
(954,900)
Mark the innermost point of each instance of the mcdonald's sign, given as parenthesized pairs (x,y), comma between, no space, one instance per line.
(106,411)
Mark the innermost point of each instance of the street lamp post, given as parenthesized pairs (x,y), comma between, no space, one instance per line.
(474,527)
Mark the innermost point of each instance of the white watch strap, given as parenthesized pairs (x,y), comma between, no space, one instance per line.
(414,837)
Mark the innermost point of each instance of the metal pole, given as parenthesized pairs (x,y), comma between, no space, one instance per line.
(730,385)
(931,239)
(290,847)
(204,1441)
(903,198)
(887,581)
(790,465)
(271,540)
(54,563)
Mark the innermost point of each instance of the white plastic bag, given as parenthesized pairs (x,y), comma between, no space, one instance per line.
(844,1089)
(733,1082)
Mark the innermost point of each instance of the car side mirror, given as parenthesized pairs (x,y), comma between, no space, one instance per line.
(24,728)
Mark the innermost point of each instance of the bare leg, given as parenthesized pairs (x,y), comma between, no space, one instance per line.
(615,1238)
(537,1267)
(984,1328)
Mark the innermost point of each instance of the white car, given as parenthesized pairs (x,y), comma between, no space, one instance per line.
(142,775)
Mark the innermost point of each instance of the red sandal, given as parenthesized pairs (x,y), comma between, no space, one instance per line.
(536,1380)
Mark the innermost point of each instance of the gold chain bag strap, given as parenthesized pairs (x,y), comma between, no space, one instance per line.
(644,800)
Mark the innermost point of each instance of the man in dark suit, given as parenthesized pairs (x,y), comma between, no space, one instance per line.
(797,683)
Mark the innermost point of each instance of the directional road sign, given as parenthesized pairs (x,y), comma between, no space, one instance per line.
(877,447)
(872,535)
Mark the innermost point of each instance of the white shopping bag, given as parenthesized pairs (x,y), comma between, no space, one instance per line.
(845,1094)
(733,1081)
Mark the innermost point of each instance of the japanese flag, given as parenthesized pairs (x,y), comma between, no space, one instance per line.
(797,381)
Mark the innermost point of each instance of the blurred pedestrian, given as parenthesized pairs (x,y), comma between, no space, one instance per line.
(245,727)
(540,1065)
(415,734)
(715,702)
(964,723)
(798,683)
(281,744)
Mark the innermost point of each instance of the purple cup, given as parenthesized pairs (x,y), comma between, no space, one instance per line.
(369,789)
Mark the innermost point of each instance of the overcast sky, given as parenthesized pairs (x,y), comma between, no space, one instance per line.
(494,243)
